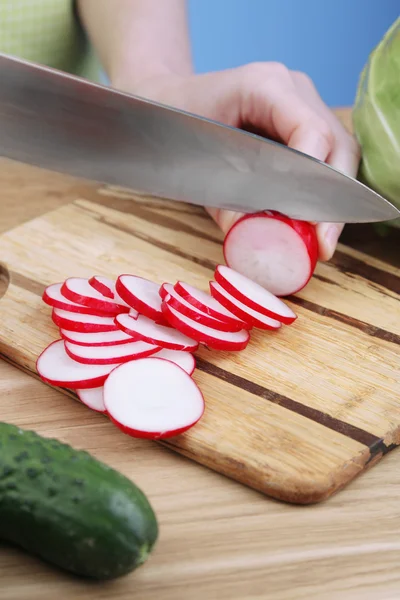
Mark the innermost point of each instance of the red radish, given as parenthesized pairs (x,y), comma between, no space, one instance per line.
(55,367)
(207,304)
(79,290)
(219,340)
(253,295)
(185,360)
(53,297)
(141,294)
(107,338)
(152,398)
(103,285)
(184,307)
(82,323)
(146,330)
(109,355)
(93,398)
(256,318)
(273,250)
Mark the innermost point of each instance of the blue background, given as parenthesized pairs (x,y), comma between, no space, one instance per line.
(330,40)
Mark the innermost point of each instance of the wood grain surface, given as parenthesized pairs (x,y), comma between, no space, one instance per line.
(299,413)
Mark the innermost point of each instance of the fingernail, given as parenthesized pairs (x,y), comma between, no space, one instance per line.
(332,235)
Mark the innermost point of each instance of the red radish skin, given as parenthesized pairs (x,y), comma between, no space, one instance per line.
(109,355)
(93,399)
(55,367)
(253,295)
(187,309)
(79,290)
(146,330)
(218,340)
(256,318)
(141,294)
(103,285)
(108,338)
(185,360)
(152,398)
(277,252)
(207,304)
(82,323)
(53,297)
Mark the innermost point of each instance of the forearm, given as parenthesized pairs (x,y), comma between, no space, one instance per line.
(138,39)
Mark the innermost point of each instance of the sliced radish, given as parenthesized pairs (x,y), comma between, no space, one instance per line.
(207,304)
(256,318)
(141,294)
(93,398)
(146,330)
(53,297)
(184,307)
(219,340)
(55,367)
(106,338)
(185,360)
(108,355)
(273,250)
(152,398)
(79,290)
(82,323)
(253,295)
(103,285)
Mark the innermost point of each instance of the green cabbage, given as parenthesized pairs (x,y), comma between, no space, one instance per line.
(376,118)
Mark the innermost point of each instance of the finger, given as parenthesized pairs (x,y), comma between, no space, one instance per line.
(328,235)
(224,218)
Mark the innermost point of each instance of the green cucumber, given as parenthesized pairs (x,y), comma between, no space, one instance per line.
(69,509)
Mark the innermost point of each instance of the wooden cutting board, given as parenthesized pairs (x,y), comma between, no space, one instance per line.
(299,413)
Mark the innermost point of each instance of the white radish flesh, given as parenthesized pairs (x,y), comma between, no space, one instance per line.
(53,297)
(152,398)
(107,338)
(206,303)
(141,294)
(184,307)
(185,360)
(276,252)
(55,367)
(79,290)
(253,295)
(256,318)
(93,398)
(219,340)
(146,330)
(108,355)
(82,323)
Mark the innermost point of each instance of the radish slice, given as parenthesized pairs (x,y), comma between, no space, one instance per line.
(256,318)
(146,330)
(181,305)
(141,294)
(219,340)
(93,398)
(107,338)
(53,297)
(253,295)
(207,304)
(276,252)
(152,398)
(103,285)
(79,290)
(109,355)
(82,323)
(185,360)
(55,367)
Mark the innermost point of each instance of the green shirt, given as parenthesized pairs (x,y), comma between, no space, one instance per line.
(47,32)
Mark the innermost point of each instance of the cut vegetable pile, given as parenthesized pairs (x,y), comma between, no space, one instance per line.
(126,346)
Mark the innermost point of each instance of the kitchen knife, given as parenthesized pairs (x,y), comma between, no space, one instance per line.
(67,124)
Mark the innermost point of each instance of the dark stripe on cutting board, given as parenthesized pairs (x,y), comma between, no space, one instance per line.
(354,266)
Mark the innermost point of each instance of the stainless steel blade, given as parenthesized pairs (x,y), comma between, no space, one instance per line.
(64,123)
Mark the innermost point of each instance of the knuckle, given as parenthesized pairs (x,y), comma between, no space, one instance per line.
(260,71)
(324,129)
(302,78)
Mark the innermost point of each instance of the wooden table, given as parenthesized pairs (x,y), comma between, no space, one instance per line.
(218,539)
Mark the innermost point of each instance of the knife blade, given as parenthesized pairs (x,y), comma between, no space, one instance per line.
(64,123)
